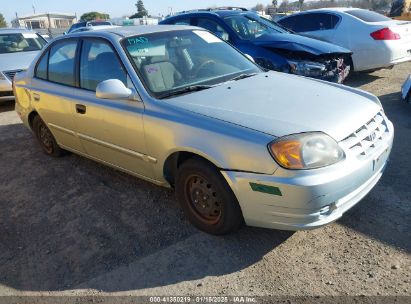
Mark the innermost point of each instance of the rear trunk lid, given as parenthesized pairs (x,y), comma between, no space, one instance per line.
(404,29)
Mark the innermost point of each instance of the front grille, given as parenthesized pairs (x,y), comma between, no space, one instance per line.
(10,74)
(367,138)
(6,93)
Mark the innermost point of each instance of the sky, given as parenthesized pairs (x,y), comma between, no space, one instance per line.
(116,8)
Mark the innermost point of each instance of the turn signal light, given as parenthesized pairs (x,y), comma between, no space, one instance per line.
(288,153)
(385,34)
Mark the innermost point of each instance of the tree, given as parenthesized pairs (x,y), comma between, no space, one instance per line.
(141,10)
(275,3)
(301,4)
(3,22)
(94,16)
(258,8)
(284,6)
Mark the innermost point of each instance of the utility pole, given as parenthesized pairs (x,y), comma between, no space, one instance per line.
(34,9)
(49,21)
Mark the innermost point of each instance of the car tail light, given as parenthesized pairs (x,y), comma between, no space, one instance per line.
(385,34)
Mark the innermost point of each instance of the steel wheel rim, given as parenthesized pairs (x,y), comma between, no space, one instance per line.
(203,199)
(46,138)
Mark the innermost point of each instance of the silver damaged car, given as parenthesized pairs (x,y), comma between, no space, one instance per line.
(181,108)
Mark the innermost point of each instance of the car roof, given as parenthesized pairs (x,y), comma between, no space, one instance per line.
(94,28)
(333,9)
(128,31)
(217,12)
(15,30)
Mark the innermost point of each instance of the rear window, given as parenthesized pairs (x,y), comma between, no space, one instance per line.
(368,16)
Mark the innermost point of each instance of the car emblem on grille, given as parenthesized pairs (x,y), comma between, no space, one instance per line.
(372,136)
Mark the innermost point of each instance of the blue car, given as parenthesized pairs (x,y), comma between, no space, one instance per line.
(270,45)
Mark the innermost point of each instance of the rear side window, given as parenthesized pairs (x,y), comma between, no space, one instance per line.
(368,16)
(41,70)
(311,22)
(62,63)
(98,63)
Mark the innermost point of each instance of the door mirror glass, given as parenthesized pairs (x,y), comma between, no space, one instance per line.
(113,89)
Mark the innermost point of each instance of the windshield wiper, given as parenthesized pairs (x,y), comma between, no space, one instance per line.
(185,90)
(242,76)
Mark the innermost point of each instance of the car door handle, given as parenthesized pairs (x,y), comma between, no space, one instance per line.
(36,97)
(81,109)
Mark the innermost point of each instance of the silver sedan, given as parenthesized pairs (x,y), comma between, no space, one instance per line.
(18,48)
(179,107)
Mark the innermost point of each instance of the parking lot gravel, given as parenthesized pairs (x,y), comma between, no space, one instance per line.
(70,226)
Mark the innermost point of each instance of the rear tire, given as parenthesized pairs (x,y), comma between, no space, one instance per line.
(206,199)
(45,138)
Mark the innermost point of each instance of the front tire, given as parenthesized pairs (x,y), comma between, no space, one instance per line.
(206,199)
(45,138)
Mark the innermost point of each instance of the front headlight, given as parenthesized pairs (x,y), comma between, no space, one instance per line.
(2,77)
(306,68)
(306,151)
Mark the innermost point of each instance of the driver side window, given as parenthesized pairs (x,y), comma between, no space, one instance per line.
(99,62)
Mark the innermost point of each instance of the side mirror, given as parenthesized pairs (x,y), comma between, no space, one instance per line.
(114,89)
(249,57)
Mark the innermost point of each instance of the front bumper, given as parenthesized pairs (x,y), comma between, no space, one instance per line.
(6,90)
(308,199)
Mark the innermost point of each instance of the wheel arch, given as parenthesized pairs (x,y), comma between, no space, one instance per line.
(31,118)
(177,158)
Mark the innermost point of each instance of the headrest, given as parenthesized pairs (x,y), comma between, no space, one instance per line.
(157,59)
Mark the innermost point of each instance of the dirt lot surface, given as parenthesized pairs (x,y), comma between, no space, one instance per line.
(71,226)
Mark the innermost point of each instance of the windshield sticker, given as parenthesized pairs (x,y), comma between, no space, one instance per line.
(29,35)
(207,37)
(151,69)
(137,40)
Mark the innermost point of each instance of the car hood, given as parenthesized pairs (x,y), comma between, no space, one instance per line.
(280,104)
(16,61)
(298,43)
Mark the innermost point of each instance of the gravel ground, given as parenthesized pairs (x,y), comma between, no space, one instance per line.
(70,226)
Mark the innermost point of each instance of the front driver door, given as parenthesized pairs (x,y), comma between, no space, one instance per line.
(110,130)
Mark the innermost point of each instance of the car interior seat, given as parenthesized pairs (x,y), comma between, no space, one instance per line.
(161,73)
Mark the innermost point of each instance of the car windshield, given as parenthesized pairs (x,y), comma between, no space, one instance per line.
(251,27)
(20,42)
(179,62)
(368,16)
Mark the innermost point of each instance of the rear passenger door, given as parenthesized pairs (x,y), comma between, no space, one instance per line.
(53,92)
(110,130)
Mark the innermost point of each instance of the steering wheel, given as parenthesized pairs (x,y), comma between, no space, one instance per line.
(203,65)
